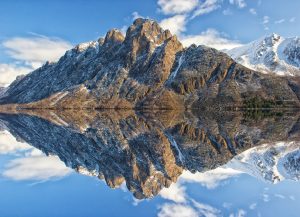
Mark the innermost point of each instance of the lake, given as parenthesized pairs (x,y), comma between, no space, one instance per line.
(149,163)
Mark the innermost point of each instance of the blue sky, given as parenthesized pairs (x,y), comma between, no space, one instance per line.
(33,31)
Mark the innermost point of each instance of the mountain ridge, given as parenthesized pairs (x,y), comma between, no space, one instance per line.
(148,68)
(270,54)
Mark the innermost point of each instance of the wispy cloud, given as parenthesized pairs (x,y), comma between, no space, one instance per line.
(136,15)
(206,210)
(227,12)
(279,21)
(34,51)
(211,38)
(266,20)
(9,72)
(28,54)
(240,213)
(253,206)
(175,24)
(292,20)
(9,144)
(30,163)
(175,192)
(177,6)
(238,3)
(184,14)
(210,179)
(177,210)
(206,7)
(253,11)
(36,167)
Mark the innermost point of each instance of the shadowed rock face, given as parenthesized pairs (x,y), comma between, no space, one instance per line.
(148,151)
(148,68)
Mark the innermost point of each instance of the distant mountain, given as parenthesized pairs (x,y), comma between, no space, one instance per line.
(270,162)
(150,69)
(272,54)
(2,90)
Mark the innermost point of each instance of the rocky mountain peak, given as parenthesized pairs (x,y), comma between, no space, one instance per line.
(114,36)
(148,30)
(272,39)
(145,35)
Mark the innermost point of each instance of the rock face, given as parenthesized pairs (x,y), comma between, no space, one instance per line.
(148,151)
(272,54)
(148,68)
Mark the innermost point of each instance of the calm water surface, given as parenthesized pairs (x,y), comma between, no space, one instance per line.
(112,163)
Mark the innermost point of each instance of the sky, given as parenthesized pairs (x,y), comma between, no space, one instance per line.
(35,31)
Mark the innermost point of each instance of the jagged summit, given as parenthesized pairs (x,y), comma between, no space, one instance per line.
(113,36)
(271,54)
(150,69)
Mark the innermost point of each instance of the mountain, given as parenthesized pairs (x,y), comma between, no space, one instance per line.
(272,54)
(270,162)
(149,69)
(148,151)
(2,90)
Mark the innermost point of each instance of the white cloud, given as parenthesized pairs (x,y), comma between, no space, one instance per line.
(279,196)
(210,38)
(36,50)
(177,210)
(35,167)
(239,3)
(177,6)
(206,7)
(227,205)
(210,179)
(279,21)
(266,20)
(9,72)
(175,24)
(292,20)
(241,213)
(227,12)
(136,15)
(9,144)
(253,11)
(206,210)
(266,197)
(292,197)
(253,206)
(175,193)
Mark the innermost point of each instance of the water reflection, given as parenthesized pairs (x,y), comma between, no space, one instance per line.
(150,151)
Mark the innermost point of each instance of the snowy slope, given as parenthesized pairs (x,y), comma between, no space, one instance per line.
(271,54)
(271,162)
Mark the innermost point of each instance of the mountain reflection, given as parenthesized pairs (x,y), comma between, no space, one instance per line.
(150,150)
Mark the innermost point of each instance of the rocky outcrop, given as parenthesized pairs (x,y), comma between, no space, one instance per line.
(149,69)
(148,151)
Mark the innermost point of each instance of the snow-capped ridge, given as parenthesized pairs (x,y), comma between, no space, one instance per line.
(270,162)
(270,54)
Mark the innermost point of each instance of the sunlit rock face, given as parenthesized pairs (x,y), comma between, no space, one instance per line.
(148,68)
(149,151)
